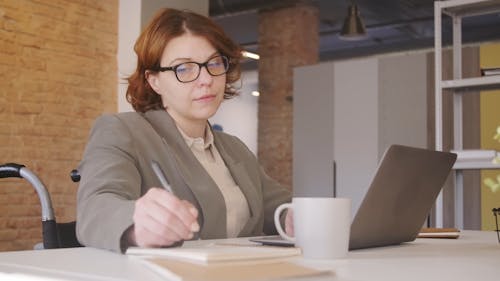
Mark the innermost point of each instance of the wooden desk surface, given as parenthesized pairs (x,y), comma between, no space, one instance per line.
(473,256)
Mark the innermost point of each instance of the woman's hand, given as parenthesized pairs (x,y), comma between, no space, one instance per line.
(161,219)
(289,222)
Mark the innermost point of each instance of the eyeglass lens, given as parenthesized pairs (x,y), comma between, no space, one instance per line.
(189,71)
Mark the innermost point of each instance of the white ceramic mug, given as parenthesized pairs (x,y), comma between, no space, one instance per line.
(321,226)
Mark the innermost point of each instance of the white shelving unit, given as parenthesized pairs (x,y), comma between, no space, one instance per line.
(458,9)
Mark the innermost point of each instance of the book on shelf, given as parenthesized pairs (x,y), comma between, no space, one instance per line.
(432,232)
(490,71)
(475,154)
(218,261)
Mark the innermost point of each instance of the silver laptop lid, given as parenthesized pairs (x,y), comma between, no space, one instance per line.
(400,197)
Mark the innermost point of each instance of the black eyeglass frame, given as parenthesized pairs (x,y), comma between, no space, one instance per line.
(225,60)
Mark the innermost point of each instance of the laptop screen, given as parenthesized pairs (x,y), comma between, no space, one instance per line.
(400,197)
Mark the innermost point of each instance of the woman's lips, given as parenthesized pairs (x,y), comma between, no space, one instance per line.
(205,98)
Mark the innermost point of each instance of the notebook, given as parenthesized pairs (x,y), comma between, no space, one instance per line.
(216,253)
(176,270)
(399,199)
(445,233)
(221,261)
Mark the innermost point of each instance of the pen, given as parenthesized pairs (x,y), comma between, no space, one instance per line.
(161,176)
(195,227)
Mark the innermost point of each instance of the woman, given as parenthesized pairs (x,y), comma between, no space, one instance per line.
(185,67)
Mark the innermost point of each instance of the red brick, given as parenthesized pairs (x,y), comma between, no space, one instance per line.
(288,37)
(59,71)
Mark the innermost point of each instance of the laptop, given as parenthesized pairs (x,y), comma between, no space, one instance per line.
(399,199)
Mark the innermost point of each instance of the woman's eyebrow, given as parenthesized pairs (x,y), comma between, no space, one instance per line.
(190,59)
(179,59)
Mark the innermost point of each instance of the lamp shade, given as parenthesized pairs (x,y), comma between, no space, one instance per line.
(353,28)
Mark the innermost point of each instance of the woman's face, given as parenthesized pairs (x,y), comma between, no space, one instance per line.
(195,101)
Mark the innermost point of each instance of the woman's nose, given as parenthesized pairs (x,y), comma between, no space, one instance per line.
(205,77)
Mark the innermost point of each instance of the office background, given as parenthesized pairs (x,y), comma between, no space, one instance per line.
(62,64)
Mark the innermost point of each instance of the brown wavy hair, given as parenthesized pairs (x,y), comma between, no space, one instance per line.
(166,25)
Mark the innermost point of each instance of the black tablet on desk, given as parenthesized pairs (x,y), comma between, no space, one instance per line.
(273,240)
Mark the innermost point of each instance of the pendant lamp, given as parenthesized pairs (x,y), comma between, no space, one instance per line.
(353,28)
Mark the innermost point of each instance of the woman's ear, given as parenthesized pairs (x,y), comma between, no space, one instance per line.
(153,80)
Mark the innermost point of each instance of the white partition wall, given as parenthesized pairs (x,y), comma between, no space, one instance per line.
(313,131)
(351,111)
(129,28)
(355,127)
(402,100)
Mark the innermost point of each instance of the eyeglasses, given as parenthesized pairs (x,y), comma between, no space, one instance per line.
(189,71)
(496,213)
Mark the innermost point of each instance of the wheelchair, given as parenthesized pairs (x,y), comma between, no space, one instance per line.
(55,235)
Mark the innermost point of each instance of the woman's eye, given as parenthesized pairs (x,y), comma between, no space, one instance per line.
(182,68)
(215,63)
(187,67)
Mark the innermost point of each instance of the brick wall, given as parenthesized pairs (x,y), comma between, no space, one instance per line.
(58,73)
(288,37)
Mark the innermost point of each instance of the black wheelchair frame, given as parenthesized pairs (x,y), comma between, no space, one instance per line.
(55,235)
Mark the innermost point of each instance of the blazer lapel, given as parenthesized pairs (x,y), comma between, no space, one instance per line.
(240,175)
(204,189)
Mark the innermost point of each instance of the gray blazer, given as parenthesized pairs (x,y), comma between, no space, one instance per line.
(116,170)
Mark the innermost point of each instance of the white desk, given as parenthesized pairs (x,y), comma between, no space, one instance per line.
(474,256)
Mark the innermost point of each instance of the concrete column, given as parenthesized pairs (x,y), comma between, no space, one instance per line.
(288,37)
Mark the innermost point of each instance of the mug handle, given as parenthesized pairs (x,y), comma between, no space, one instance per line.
(277,222)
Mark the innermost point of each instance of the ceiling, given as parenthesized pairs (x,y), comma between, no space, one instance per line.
(392,25)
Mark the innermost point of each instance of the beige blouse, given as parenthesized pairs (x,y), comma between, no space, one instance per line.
(236,204)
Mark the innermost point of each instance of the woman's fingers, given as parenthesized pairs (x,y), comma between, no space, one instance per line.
(183,210)
(162,219)
(146,238)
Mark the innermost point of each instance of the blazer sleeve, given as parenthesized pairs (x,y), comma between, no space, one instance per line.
(110,184)
(274,195)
